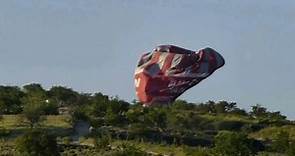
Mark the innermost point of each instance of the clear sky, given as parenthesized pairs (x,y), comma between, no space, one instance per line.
(93,46)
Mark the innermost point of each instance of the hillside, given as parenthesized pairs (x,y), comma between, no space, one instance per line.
(95,124)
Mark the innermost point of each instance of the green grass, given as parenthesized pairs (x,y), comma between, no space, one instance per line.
(229,117)
(15,125)
(12,122)
(271,132)
(6,147)
(58,121)
(159,149)
(148,147)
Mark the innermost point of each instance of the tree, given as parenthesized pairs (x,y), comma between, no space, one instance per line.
(34,108)
(112,118)
(37,142)
(135,115)
(182,105)
(157,117)
(98,106)
(276,117)
(208,107)
(10,99)
(225,107)
(258,111)
(64,96)
(33,87)
(221,107)
(232,144)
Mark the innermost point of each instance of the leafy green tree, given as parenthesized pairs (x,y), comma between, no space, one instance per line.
(232,144)
(33,87)
(182,105)
(34,105)
(239,111)
(64,96)
(266,116)
(37,103)
(221,107)
(208,107)
(111,110)
(135,115)
(276,117)
(36,143)
(258,111)
(225,107)
(118,106)
(98,106)
(10,99)
(50,107)
(157,118)
(112,118)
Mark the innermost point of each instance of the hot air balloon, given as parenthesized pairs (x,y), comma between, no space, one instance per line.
(168,71)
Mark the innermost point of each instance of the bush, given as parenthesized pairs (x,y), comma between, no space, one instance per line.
(249,128)
(102,142)
(33,113)
(129,150)
(50,108)
(229,125)
(4,132)
(232,144)
(281,142)
(37,142)
(291,149)
(78,113)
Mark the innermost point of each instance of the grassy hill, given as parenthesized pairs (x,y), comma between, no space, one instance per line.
(96,124)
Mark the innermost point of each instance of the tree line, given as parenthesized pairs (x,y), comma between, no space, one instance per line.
(33,100)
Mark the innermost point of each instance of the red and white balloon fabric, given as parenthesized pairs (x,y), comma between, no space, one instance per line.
(168,71)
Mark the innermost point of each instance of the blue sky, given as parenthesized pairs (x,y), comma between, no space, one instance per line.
(93,46)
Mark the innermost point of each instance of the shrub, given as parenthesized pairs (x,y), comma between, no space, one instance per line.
(37,142)
(33,113)
(129,150)
(229,125)
(281,142)
(249,128)
(232,144)
(102,142)
(291,149)
(4,132)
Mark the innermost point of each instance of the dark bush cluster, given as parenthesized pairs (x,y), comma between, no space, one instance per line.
(37,142)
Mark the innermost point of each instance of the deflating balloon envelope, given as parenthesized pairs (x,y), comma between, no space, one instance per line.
(168,71)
